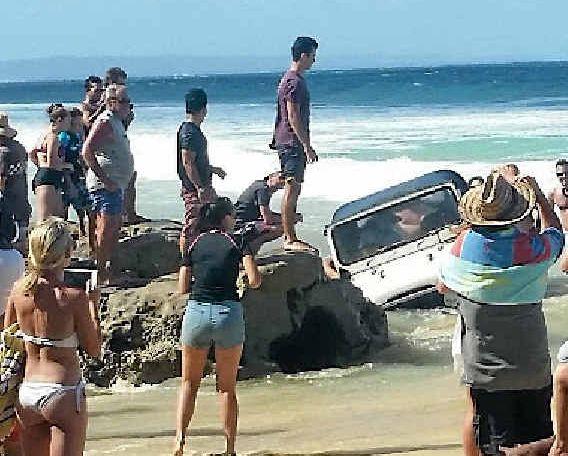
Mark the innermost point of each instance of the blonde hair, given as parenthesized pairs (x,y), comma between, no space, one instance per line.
(50,245)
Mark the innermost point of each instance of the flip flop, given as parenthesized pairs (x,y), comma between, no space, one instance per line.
(299,246)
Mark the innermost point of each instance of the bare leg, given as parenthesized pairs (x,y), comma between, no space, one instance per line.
(35,433)
(289,204)
(69,427)
(192,363)
(108,228)
(227,361)
(468,433)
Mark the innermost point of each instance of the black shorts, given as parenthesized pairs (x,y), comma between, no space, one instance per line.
(292,163)
(509,418)
(48,176)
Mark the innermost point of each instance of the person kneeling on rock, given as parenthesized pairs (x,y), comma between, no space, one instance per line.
(213,315)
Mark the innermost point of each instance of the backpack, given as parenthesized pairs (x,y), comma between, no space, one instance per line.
(12,361)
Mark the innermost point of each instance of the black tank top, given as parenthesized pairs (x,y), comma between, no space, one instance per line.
(214,258)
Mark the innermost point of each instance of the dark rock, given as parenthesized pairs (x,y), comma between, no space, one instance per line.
(296,321)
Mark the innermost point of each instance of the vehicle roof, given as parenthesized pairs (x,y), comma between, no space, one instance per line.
(395,192)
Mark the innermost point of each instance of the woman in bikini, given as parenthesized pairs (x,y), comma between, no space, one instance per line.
(50,160)
(54,320)
(213,314)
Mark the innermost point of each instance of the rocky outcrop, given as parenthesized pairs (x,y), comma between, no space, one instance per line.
(296,321)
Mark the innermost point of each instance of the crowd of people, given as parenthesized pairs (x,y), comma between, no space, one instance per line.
(84,161)
(498,268)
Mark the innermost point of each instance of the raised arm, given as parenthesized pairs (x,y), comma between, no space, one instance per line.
(87,324)
(546,210)
(10,313)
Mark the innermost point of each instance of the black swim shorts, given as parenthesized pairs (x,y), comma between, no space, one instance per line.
(48,176)
(509,418)
(292,163)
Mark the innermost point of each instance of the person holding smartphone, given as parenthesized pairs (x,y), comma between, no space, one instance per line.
(213,315)
(54,321)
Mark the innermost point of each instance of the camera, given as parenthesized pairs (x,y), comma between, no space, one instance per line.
(78,278)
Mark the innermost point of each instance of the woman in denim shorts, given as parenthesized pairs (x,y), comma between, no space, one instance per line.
(213,315)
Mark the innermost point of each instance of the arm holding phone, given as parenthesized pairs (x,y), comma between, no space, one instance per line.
(87,323)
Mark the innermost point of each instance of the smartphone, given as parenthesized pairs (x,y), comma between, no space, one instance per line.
(86,279)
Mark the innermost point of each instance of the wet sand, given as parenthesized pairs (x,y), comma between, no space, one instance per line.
(359,412)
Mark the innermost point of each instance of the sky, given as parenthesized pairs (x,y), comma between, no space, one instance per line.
(350,32)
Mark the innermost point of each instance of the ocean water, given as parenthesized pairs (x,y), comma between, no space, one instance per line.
(372,129)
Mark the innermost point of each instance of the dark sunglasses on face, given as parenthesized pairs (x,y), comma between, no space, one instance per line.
(562,174)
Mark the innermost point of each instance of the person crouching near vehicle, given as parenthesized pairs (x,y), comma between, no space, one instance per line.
(54,321)
(498,269)
(213,315)
(256,222)
(107,154)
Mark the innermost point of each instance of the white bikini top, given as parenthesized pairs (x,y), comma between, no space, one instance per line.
(69,342)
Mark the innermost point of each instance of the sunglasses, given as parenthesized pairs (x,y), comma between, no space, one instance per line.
(562,174)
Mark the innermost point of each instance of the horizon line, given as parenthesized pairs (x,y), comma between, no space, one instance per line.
(229,71)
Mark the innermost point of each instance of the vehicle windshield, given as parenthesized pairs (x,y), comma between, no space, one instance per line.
(395,225)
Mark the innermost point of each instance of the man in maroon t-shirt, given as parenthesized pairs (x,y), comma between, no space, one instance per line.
(292,134)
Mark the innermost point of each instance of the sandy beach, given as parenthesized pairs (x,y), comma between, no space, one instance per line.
(323,415)
(408,402)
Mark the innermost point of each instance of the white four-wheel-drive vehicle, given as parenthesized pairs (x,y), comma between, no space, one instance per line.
(390,242)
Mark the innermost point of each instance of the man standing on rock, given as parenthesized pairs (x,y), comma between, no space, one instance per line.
(292,135)
(193,167)
(107,153)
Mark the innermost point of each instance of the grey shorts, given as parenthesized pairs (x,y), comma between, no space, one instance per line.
(293,163)
(221,323)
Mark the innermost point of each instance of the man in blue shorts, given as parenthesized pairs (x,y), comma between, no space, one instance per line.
(111,165)
(292,135)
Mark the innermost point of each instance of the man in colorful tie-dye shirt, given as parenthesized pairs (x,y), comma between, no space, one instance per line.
(498,267)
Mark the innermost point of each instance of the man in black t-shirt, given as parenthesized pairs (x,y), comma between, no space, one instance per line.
(193,167)
(255,221)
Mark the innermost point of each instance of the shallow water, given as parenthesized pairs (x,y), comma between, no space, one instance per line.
(407,402)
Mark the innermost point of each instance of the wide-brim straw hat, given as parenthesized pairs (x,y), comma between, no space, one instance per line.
(498,202)
(5,129)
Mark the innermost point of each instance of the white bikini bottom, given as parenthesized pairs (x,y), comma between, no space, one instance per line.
(36,395)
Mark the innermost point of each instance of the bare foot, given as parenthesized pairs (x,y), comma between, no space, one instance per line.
(178,446)
(329,269)
(299,246)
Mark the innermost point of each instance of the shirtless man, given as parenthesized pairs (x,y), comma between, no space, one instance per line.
(91,105)
(559,198)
